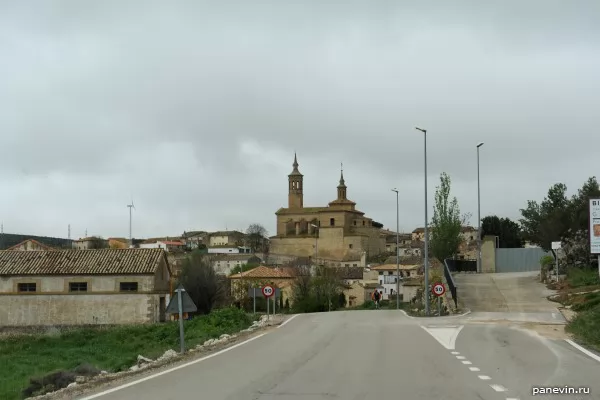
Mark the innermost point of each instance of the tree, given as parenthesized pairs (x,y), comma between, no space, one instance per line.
(256,238)
(201,282)
(508,232)
(243,268)
(548,221)
(446,223)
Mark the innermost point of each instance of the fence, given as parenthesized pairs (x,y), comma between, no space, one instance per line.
(519,260)
(461,265)
(450,281)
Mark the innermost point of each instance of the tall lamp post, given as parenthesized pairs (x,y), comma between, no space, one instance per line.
(397,250)
(426,262)
(478,214)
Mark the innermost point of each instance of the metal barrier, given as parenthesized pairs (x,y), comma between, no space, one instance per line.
(461,265)
(451,283)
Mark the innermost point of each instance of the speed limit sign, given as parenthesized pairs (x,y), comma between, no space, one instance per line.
(268,291)
(438,289)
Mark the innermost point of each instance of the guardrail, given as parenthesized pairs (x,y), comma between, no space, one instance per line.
(461,265)
(451,283)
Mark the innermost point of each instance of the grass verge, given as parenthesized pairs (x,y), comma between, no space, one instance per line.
(580,293)
(111,349)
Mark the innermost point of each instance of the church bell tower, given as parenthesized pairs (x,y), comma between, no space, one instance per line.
(295,180)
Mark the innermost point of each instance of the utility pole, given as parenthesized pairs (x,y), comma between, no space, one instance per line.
(69,232)
(478,214)
(131,207)
(397,250)
(426,262)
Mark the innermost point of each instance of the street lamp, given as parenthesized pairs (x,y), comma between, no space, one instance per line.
(397,250)
(478,214)
(426,262)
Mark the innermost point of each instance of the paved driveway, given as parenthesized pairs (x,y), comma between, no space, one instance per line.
(516,295)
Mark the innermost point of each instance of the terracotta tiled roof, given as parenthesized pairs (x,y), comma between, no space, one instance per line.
(226,233)
(81,262)
(171,243)
(419,230)
(263,272)
(32,241)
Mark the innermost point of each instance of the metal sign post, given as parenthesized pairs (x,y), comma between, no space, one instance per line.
(254,299)
(268,291)
(181,333)
(438,290)
(183,303)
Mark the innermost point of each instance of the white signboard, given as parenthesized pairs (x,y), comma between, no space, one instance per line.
(595,226)
(556,245)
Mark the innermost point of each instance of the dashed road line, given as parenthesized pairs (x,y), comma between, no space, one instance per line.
(498,388)
(467,362)
(461,357)
(455,353)
(474,369)
(484,377)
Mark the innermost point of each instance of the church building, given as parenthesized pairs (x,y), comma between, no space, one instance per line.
(337,232)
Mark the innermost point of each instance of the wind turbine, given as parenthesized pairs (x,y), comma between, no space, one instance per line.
(131,207)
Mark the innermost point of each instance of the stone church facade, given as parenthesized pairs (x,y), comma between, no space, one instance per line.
(337,231)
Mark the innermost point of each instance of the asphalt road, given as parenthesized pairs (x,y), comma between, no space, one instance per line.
(377,354)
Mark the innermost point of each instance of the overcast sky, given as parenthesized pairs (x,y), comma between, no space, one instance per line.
(194,109)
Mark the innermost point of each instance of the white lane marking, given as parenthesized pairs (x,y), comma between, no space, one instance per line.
(474,369)
(512,398)
(455,353)
(499,388)
(461,357)
(406,314)
(463,314)
(445,335)
(484,377)
(554,315)
(287,320)
(583,350)
(147,378)
(467,362)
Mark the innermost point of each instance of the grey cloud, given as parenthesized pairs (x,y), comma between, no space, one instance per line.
(104,93)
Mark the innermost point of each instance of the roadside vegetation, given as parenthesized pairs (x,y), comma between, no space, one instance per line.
(580,292)
(25,359)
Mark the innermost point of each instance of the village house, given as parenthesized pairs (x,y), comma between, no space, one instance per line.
(195,239)
(282,278)
(30,245)
(333,232)
(91,242)
(165,244)
(388,277)
(224,263)
(226,238)
(92,287)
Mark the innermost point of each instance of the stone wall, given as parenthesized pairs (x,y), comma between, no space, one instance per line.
(488,254)
(78,309)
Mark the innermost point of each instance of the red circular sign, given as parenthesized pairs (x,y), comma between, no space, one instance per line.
(268,291)
(438,289)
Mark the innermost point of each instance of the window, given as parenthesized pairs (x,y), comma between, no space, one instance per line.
(128,286)
(350,246)
(354,222)
(363,223)
(331,221)
(27,287)
(77,286)
(354,265)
